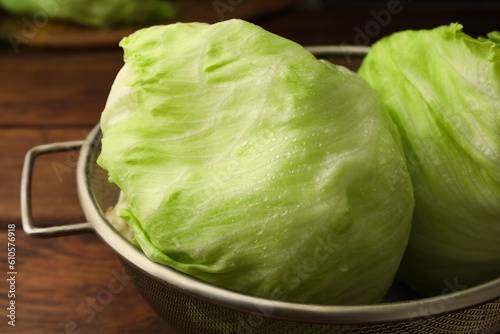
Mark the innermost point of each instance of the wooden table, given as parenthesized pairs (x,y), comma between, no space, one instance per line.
(52,95)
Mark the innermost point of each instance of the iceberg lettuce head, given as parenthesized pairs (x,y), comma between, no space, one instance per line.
(250,164)
(442,89)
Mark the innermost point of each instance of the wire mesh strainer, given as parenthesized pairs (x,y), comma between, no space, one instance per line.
(192,306)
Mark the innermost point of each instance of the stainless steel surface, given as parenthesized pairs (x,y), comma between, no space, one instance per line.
(192,306)
(26,210)
(344,51)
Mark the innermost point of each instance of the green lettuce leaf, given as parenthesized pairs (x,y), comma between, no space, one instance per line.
(442,89)
(96,13)
(252,165)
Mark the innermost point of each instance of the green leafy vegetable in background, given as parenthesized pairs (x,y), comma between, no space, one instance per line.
(96,13)
(250,164)
(442,89)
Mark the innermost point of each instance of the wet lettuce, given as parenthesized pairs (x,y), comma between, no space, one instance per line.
(252,165)
(442,89)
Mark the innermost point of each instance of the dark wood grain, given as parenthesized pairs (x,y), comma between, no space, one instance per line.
(64,283)
(55,89)
(55,95)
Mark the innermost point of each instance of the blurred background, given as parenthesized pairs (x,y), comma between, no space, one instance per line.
(91,23)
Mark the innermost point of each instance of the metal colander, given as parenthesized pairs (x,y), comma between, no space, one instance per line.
(192,306)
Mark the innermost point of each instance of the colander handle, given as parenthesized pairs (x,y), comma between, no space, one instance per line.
(26,211)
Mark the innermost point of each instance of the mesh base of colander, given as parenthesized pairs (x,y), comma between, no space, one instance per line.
(191,306)
(191,315)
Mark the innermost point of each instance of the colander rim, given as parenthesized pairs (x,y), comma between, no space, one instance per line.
(403,311)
